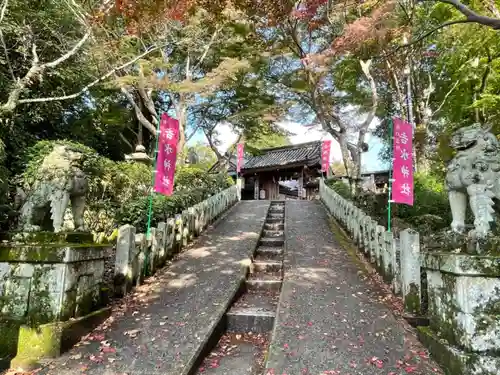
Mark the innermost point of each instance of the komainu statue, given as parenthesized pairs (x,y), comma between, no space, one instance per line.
(473,177)
(61,182)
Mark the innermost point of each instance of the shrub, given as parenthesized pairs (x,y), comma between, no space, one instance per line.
(340,187)
(430,201)
(191,187)
(188,177)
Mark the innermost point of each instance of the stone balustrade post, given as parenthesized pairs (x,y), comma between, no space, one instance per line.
(380,246)
(410,270)
(124,258)
(141,243)
(389,256)
(162,249)
(396,262)
(155,250)
(372,230)
(356,229)
(179,231)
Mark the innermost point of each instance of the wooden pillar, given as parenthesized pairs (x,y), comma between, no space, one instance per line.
(256,188)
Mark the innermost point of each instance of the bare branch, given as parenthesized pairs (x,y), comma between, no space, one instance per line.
(4,8)
(192,133)
(420,38)
(365,67)
(125,140)
(91,84)
(472,16)
(33,73)
(2,40)
(446,97)
(207,48)
(209,135)
(68,54)
(493,8)
(146,96)
(140,116)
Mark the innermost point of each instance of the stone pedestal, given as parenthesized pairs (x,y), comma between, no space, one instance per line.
(464,312)
(44,279)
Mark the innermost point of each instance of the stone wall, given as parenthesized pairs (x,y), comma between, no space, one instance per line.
(47,278)
(463,290)
(50,282)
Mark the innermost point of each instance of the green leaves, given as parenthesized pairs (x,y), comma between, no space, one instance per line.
(192,185)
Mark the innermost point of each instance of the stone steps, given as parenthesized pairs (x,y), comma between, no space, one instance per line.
(270,253)
(267,266)
(272,233)
(250,319)
(263,285)
(274,226)
(275,220)
(272,241)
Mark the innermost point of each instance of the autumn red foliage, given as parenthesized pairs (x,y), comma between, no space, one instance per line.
(377,29)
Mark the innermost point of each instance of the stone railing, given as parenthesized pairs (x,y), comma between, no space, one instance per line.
(139,255)
(51,285)
(463,290)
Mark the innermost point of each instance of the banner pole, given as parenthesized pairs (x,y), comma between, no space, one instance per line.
(391,141)
(150,205)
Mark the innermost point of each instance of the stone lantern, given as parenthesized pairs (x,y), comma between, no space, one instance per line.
(139,156)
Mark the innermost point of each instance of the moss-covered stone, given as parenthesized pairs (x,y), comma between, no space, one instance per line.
(50,340)
(47,237)
(9,329)
(457,362)
(462,264)
(52,252)
(412,300)
(35,343)
(450,360)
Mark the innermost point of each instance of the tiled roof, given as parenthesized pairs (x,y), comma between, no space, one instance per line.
(305,153)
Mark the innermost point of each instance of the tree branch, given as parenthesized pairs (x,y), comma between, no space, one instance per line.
(86,87)
(472,16)
(68,54)
(192,133)
(2,40)
(365,67)
(420,38)
(145,96)
(4,8)
(140,116)
(207,48)
(493,8)
(209,134)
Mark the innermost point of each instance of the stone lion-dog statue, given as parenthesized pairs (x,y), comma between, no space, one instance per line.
(473,176)
(61,182)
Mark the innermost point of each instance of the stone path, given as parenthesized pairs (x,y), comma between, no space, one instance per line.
(330,319)
(179,309)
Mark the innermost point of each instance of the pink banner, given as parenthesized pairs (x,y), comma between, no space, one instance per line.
(325,155)
(240,157)
(402,169)
(167,155)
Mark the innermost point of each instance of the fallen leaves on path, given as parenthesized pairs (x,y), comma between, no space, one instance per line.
(229,345)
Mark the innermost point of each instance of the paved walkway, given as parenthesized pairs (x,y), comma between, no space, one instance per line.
(177,311)
(330,320)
